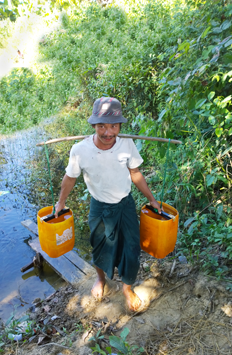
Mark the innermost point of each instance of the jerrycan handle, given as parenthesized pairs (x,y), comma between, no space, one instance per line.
(52,216)
(163,214)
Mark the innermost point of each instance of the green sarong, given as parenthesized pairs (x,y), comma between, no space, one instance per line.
(115,238)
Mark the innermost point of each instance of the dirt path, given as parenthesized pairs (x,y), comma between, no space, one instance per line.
(187,313)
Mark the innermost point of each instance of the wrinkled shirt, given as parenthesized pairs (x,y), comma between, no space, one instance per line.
(105,172)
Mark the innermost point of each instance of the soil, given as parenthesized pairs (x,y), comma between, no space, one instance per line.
(184,312)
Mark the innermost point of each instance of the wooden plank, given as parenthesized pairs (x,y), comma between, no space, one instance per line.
(80,263)
(61,265)
(71,257)
(31,226)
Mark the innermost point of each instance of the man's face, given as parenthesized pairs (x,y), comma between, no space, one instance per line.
(106,134)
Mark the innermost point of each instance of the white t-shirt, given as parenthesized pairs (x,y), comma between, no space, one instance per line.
(105,172)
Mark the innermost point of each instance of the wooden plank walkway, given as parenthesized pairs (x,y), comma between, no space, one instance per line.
(70,266)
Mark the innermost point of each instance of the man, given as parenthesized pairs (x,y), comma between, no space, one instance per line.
(109,164)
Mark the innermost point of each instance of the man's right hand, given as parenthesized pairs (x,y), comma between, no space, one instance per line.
(66,187)
(58,207)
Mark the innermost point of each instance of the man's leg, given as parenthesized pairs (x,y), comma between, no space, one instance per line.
(98,287)
(133,301)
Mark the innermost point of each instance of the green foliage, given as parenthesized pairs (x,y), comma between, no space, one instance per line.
(27,97)
(208,237)
(10,12)
(118,343)
(15,327)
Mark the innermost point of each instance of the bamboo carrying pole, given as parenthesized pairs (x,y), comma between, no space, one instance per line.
(164,140)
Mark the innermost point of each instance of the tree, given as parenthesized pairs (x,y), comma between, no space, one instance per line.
(9,9)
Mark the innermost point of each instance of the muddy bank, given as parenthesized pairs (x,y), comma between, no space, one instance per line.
(185,313)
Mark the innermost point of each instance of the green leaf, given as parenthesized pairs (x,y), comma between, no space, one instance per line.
(221,178)
(118,344)
(9,320)
(227,99)
(215,58)
(224,254)
(226,151)
(202,69)
(219,210)
(229,74)
(210,179)
(172,56)
(211,120)
(230,131)
(139,145)
(227,58)
(200,103)
(204,34)
(218,132)
(162,113)
(190,220)
(183,45)
(124,333)
(192,227)
(11,336)
(174,82)
(224,40)
(217,30)
(211,95)
(162,152)
(217,77)
(228,43)
(99,350)
(226,24)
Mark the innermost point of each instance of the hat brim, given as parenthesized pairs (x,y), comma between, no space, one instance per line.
(93,119)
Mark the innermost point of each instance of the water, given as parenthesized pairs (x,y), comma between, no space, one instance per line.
(17,290)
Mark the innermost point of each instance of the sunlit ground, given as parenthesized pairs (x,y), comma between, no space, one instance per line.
(25,39)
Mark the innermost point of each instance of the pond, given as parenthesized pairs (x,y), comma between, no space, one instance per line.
(18,154)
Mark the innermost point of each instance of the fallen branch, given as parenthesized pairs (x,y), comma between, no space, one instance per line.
(164,140)
(173,267)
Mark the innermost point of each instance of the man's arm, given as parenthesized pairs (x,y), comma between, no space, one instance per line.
(140,182)
(66,187)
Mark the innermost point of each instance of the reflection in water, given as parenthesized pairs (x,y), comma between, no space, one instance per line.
(17,154)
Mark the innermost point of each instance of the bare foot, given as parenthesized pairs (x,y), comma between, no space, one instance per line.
(133,301)
(98,289)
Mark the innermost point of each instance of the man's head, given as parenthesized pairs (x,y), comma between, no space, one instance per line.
(107,110)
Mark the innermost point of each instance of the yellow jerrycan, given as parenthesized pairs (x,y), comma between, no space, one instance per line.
(158,233)
(56,235)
